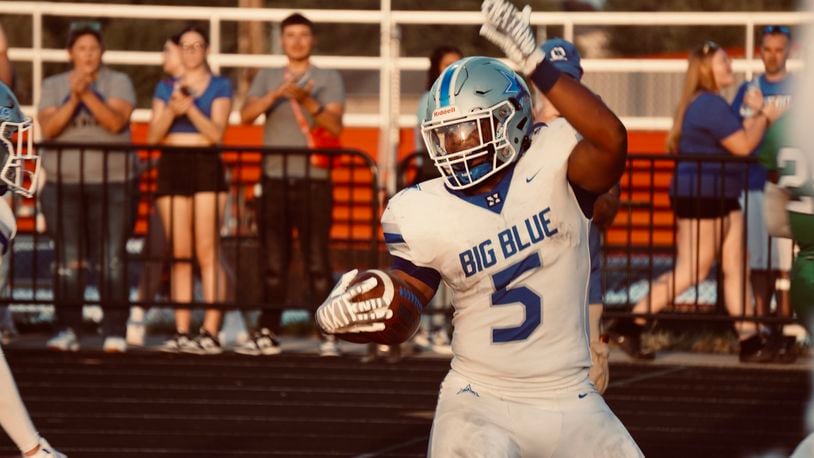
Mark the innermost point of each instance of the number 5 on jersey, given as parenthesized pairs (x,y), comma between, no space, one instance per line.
(532,302)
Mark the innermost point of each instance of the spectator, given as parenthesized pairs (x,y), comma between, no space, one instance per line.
(564,55)
(772,87)
(155,248)
(710,224)
(434,333)
(789,213)
(193,110)
(303,104)
(6,70)
(88,210)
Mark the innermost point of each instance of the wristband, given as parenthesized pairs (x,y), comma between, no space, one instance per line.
(545,75)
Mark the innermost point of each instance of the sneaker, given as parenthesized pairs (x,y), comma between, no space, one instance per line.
(372,353)
(262,342)
(440,342)
(627,335)
(135,333)
(64,341)
(755,349)
(328,347)
(175,343)
(203,344)
(421,341)
(46,451)
(7,336)
(114,344)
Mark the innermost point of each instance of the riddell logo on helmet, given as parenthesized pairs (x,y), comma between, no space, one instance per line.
(444,111)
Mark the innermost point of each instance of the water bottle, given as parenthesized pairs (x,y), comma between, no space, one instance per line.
(745,111)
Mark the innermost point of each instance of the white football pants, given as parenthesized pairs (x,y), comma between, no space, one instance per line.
(472,422)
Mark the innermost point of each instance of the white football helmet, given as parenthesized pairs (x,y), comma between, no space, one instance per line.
(20,162)
(478,120)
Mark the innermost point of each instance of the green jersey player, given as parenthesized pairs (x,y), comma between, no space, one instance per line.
(789,209)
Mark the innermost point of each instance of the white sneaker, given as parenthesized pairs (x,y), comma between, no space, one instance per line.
(135,333)
(64,341)
(46,451)
(114,344)
(203,344)
(260,343)
(175,343)
(421,341)
(328,347)
(440,342)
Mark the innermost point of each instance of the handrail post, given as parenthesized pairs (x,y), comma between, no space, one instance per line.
(750,48)
(214,40)
(36,32)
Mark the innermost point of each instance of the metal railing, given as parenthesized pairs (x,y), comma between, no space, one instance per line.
(354,228)
(641,244)
(389,64)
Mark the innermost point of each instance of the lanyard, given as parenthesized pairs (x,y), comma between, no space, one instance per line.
(297,109)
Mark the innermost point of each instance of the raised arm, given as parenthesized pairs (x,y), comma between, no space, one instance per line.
(598,160)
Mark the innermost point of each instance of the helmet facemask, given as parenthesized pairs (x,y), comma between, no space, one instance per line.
(469,149)
(21,164)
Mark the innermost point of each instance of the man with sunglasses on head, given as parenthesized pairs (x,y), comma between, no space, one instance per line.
(769,258)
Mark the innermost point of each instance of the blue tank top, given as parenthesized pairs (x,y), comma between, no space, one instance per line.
(219,87)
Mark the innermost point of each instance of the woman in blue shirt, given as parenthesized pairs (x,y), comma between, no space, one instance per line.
(193,110)
(705,196)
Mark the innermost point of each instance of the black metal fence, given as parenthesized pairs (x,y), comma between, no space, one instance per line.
(639,247)
(644,242)
(105,235)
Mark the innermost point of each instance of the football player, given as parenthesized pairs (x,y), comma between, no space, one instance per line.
(16,150)
(506,228)
(789,212)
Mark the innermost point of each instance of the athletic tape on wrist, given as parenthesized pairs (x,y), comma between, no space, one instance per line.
(545,75)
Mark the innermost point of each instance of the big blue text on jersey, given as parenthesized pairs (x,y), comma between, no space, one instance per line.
(511,241)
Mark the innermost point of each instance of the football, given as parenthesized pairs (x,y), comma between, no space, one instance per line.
(406,308)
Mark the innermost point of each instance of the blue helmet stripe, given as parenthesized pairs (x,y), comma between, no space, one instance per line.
(446,82)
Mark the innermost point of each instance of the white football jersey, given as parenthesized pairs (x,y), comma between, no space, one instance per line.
(8,225)
(517,261)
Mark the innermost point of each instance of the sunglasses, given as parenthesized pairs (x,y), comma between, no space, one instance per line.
(85,25)
(772,29)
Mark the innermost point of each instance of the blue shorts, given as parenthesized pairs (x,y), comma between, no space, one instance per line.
(595,281)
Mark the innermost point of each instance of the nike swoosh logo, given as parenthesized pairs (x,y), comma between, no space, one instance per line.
(528,179)
(582,395)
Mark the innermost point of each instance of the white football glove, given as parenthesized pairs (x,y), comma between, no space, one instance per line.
(46,451)
(509,29)
(599,373)
(339,314)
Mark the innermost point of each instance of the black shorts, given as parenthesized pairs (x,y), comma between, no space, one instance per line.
(703,207)
(186,174)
